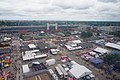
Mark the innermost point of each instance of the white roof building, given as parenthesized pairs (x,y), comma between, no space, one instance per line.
(99,41)
(101,50)
(7,38)
(70,48)
(113,45)
(28,55)
(79,71)
(36,62)
(50,62)
(72,45)
(92,53)
(76,41)
(25,68)
(54,51)
(34,51)
(32,46)
(40,56)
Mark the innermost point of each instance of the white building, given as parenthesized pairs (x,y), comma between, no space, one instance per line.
(28,55)
(54,51)
(100,50)
(32,46)
(72,45)
(76,41)
(79,71)
(25,68)
(50,62)
(112,45)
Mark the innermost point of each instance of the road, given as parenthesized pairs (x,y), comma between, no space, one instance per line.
(18,63)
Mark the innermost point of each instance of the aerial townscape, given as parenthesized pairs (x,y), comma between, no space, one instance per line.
(59,50)
(59,39)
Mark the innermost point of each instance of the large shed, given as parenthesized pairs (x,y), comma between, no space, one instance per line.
(96,61)
(113,45)
(100,50)
(79,71)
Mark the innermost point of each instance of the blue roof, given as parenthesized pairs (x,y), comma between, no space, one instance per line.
(96,60)
(115,52)
(4,51)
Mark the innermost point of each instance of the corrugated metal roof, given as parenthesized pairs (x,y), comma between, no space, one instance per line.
(113,45)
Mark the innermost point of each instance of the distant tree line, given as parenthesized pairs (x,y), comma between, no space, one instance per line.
(35,22)
(20,23)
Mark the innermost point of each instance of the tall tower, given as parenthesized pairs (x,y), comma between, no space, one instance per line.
(48,26)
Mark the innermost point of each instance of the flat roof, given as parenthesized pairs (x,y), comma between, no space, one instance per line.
(72,48)
(32,46)
(50,60)
(92,53)
(101,50)
(28,55)
(76,41)
(54,50)
(113,45)
(25,68)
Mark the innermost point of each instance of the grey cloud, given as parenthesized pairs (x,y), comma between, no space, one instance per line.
(60,9)
(73,7)
(114,1)
(10,14)
(73,4)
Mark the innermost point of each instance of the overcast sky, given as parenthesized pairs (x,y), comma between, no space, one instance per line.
(60,10)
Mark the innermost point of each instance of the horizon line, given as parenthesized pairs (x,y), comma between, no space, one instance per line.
(60,20)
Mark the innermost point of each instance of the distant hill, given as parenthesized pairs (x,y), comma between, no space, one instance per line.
(36,23)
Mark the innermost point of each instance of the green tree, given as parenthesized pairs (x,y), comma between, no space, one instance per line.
(111,58)
(117,33)
(86,34)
